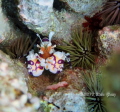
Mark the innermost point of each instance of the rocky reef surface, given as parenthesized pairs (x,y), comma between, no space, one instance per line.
(41,17)
(83,7)
(61,92)
(4,25)
(14,94)
(110,39)
(67,101)
(13,89)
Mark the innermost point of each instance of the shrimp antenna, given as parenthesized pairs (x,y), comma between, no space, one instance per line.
(39,37)
(51,35)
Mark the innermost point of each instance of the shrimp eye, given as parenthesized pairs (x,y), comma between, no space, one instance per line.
(61,61)
(30,62)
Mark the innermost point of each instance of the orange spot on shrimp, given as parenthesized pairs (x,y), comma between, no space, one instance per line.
(46,52)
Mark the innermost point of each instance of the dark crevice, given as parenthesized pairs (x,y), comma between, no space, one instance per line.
(59,5)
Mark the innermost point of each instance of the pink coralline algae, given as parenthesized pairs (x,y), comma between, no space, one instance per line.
(58,85)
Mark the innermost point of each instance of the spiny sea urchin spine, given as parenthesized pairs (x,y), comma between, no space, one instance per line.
(110,13)
(19,46)
(81,51)
(94,90)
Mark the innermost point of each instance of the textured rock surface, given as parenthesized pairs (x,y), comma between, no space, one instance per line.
(84,6)
(69,101)
(42,18)
(4,26)
(13,88)
(38,85)
(110,38)
(62,99)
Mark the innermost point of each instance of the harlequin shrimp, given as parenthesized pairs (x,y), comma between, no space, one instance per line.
(35,66)
(47,58)
(55,62)
(46,48)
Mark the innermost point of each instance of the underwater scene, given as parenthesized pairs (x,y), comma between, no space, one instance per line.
(59,55)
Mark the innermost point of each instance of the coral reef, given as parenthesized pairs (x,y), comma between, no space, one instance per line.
(38,13)
(13,88)
(35,15)
(110,39)
(84,6)
(74,88)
